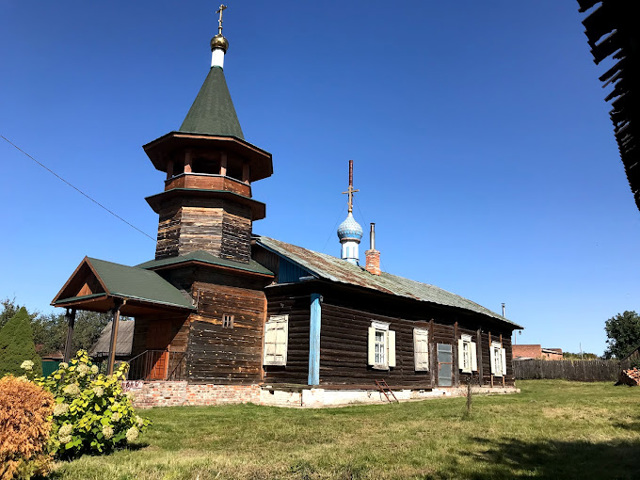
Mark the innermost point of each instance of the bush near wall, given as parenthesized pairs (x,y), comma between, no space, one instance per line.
(16,345)
(91,413)
(25,410)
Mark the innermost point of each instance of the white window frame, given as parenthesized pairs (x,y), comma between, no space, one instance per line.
(276,340)
(421,349)
(498,356)
(467,354)
(381,330)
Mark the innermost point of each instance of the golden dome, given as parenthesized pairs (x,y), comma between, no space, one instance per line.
(219,42)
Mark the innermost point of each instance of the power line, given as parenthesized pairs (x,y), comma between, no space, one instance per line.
(76,188)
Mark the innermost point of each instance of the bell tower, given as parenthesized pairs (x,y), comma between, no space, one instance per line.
(206,203)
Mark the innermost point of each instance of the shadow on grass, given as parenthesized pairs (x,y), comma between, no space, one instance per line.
(131,447)
(515,459)
(631,426)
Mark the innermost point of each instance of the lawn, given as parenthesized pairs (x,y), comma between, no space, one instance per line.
(553,429)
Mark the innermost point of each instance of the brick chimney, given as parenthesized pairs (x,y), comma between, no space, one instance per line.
(373,255)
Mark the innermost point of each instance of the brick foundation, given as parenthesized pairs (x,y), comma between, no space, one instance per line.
(175,394)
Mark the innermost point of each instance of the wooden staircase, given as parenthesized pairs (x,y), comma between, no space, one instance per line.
(386,390)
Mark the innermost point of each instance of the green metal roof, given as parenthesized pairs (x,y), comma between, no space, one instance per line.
(138,283)
(212,112)
(206,257)
(337,270)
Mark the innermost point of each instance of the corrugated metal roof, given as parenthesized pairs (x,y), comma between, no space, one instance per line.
(124,343)
(340,271)
(206,257)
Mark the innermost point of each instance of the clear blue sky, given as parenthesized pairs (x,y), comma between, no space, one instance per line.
(482,144)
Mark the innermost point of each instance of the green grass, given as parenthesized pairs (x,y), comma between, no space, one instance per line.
(553,429)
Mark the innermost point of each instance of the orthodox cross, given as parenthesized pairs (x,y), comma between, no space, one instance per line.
(350,191)
(220,10)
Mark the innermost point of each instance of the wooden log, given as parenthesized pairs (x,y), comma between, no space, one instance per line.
(114,335)
(70,316)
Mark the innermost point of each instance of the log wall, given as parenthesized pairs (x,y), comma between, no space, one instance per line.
(219,227)
(226,355)
(297,369)
(344,347)
(346,317)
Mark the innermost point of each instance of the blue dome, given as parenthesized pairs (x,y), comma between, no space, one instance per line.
(350,229)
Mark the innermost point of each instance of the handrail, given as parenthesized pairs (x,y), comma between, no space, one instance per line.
(152,364)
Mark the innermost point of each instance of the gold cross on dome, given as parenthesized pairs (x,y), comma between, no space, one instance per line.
(220,10)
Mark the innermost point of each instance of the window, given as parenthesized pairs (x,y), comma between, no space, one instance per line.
(467,356)
(227,321)
(205,165)
(276,335)
(421,349)
(382,346)
(498,359)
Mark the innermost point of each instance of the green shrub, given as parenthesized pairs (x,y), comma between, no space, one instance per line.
(91,413)
(25,411)
(16,345)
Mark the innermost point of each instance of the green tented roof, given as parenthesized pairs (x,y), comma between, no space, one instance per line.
(212,112)
(206,257)
(138,283)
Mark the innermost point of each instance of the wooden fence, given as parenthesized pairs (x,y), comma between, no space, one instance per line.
(579,370)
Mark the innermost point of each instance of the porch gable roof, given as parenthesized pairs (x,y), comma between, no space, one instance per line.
(96,278)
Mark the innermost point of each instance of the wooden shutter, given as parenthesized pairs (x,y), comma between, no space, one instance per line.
(474,357)
(371,347)
(269,344)
(492,358)
(461,355)
(503,353)
(276,336)
(391,347)
(421,350)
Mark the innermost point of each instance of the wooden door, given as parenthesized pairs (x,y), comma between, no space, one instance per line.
(158,340)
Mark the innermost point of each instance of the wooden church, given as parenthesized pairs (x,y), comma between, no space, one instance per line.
(223,315)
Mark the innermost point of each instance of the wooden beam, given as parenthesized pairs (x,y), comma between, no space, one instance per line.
(456,367)
(187,161)
(71,320)
(223,164)
(479,351)
(490,366)
(246,173)
(433,355)
(114,335)
(315,320)
(505,367)
(169,169)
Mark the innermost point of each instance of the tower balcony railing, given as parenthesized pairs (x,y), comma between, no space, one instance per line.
(207,181)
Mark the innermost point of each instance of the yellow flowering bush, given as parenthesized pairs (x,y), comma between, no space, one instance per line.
(91,413)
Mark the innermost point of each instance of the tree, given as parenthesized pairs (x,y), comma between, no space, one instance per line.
(9,309)
(579,356)
(16,345)
(50,331)
(623,332)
